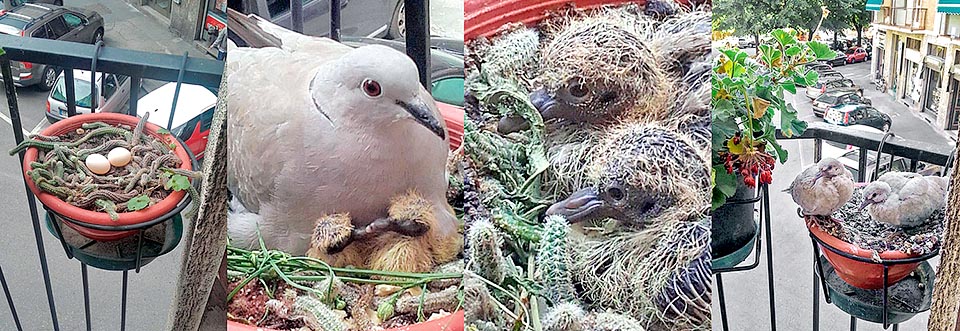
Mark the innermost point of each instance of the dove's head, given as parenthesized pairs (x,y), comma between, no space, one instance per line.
(642,172)
(829,168)
(876,192)
(594,71)
(375,85)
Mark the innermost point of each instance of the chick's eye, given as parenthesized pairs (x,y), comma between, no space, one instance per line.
(615,193)
(578,90)
(371,88)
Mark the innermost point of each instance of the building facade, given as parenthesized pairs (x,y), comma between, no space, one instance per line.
(916,51)
(189,19)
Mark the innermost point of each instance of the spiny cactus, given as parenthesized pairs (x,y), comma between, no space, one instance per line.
(565,317)
(615,322)
(432,302)
(484,251)
(554,259)
(317,315)
(478,304)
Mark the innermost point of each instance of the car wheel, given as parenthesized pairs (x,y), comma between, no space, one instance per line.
(398,25)
(97,36)
(48,78)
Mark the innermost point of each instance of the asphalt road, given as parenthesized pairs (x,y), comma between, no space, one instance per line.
(746,291)
(150,292)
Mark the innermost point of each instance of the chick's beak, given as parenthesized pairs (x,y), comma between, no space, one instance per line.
(545,103)
(864,204)
(424,115)
(581,206)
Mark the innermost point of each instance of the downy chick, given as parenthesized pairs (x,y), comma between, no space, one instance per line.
(905,203)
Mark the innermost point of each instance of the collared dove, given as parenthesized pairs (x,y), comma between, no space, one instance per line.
(904,199)
(319,129)
(823,188)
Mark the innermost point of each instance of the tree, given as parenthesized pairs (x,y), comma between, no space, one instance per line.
(946,289)
(859,18)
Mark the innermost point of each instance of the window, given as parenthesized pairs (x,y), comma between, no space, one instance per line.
(206,119)
(279,7)
(938,51)
(72,20)
(57,27)
(41,32)
(449,90)
(913,43)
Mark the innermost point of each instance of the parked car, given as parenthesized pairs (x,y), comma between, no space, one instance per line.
(359,18)
(113,93)
(852,114)
(827,75)
(194,115)
(856,54)
(849,156)
(834,98)
(818,66)
(48,22)
(823,86)
(746,42)
(839,60)
(11,4)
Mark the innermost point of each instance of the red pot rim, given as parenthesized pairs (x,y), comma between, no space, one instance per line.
(99,218)
(486,17)
(453,118)
(454,322)
(852,249)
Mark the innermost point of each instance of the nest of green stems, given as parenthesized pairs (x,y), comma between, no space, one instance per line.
(274,289)
(149,177)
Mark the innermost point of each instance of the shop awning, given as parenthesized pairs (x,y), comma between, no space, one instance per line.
(945,6)
(874,5)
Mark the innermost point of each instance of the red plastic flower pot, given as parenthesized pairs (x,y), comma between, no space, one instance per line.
(65,209)
(453,116)
(453,322)
(861,274)
(486,17)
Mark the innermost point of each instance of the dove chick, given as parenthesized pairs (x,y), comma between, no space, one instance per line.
(823,188)
(408,240)
(318,128)
(904,200)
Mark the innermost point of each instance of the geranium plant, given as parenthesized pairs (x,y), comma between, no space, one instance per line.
(748,97)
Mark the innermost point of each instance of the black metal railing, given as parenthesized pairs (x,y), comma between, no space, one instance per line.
(68,56)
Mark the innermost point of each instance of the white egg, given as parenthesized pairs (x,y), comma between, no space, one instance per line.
(119,157)
(98,164)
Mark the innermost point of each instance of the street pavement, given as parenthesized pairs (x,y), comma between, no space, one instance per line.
(746,291)
(151,291)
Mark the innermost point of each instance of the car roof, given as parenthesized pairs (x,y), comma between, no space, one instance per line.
(837,93)
(82,75)
(34,10)
(193,101)
(846,108)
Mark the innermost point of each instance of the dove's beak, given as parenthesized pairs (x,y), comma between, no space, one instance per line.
(864,204)
(581,206)
(545,103)
(424,115)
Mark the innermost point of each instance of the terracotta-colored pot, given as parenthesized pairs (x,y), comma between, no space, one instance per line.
(99,218)
(453,116)
(486,17)
(861,274)
(453,322)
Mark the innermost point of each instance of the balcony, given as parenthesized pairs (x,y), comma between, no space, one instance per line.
(907,18)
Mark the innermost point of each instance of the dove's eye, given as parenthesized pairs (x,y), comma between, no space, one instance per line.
(615,193)
(578,90)
(371,88)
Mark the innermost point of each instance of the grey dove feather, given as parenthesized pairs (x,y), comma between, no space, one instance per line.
(904,199)
(316,128)
(823,188)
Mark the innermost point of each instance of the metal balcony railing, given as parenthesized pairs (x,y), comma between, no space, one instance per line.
(68,56)
(908,18)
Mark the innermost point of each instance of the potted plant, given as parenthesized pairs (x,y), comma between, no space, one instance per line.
(747,99)
(95,172)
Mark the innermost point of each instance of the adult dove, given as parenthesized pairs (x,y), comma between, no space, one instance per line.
(823,188)
(318,128)
(904,199)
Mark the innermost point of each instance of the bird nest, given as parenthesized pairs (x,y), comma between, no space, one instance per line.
(150,176)
(858,228)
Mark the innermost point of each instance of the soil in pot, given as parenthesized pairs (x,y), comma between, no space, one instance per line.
(109,168)
(734,225)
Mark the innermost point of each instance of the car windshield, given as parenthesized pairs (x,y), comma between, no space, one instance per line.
(12,25)
(828,98)
(81,87)
(849,51)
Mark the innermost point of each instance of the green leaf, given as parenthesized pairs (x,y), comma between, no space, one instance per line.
(177,183)
(811,78)
(781,153)
(789,86)
(137,203)
(793,50)
(163,131)
(789,124)
(784,38)
(725,182)
(822,51)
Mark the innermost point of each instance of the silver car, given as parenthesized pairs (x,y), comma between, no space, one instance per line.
(113,94)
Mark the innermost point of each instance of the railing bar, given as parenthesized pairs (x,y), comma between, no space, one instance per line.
(176,92)
(862,165)
(335,20)
(296,15)
(913,165)
(139,249)
(94,97)
(135,82)
(70,85)
(123,303)
(417,18)
(86,294)
(817,149)
(11,93)
(6,292)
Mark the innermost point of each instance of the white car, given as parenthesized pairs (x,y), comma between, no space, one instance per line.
(113,93)
(194,115)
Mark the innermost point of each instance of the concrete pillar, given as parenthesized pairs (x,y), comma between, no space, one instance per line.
(185,18)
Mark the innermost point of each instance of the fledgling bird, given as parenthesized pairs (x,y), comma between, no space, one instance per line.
(317,129)
(822,189)
(655,262)
(904,200)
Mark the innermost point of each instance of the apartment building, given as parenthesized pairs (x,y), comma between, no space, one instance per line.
(916,50)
